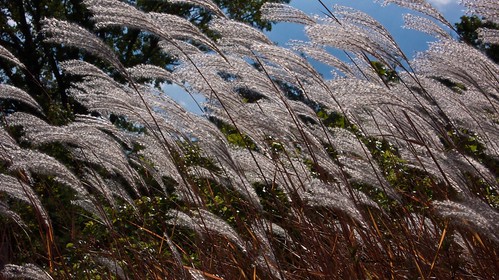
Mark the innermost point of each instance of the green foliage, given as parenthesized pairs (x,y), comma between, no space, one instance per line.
(335,119)
(193,157)
(467,141)
(234,136)
(470,144)
(417,187)
(388,75)
(225,203)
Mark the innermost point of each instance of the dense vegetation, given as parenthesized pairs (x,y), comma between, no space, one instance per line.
(388,171)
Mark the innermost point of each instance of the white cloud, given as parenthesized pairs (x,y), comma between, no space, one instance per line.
(441,3)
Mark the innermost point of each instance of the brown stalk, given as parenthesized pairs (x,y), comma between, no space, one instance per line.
(442,238)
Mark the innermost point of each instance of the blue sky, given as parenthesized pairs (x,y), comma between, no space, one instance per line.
(390,16)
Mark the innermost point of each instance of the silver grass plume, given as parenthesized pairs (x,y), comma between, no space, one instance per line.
(457,107)
(175,252)
(487,35)
(377,31)
(101,94)
(107,188)
(14,93)
(35,162)
(203,77)
(196,274)
(462,109)
(237,33)
(148,71)
(206,4)
(450,59)
(351,38)
(161,163)
(91,144)
(445,104)
(376,110)
(266,259)
(106,126)
(7,55)
(396,113)
(15,188)
(94,208)
(209,138)
(27,271)
(366,173)
(358,162)
(181,219)
(178,49)
(407,126)
(83,68)
(248,77)
(278,231)
(468,165)
(108,13)
(7,213)
(73,35)
(319,194)
(421,225)
(425,25)
(346,143)
(486,8)
(212,223)
(288,60)
(170,116)
(319,53)
(364,70)
(165,166)
(268,170)
(230,179)
(113,266)
(260,121)
(204,222)
(459,239)
(278,12)
(421,6)
(106,97)
(449,167)
(6,143)
(472,214)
